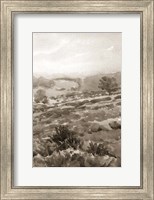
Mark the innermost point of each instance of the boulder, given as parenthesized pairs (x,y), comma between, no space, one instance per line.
(50,147)
(105,126)
(85,145)
(95,127)
(115,125)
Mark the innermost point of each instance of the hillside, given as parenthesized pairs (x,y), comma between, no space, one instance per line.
(65,85)
(42,82)
(76,124)
(92,82)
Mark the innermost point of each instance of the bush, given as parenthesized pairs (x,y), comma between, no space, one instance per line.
(40,96)
(108,83)
(97,149)
(65,138)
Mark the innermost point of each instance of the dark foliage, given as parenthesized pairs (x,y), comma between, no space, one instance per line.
(40,96)
(108,83)
(97,149)
(65,138)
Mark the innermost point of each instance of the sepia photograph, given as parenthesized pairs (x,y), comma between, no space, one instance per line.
(77,99)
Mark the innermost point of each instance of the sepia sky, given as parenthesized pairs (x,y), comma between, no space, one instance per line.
(76,54)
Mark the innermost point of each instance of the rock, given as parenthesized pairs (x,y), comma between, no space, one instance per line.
(85,145)
(90,161)
(95,127)
(103,160)
(50,147)
(115,162)
(115,125)
(109,160)
(98,126)
(38,161)
(105,126)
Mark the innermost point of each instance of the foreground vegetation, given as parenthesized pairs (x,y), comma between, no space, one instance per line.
(80,129)
(66,149)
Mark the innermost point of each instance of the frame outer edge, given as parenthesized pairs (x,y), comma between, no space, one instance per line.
(3,101)
(150,148)
(7,192)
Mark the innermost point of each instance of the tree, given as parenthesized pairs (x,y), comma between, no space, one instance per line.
(108,83)
(40,96)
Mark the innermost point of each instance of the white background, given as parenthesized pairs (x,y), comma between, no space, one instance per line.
(129,173)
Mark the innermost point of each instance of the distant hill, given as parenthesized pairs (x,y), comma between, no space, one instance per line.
(89,83)
(92,82)
(42,82)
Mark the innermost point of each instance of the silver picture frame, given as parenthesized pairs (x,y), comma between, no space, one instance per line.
(8,10)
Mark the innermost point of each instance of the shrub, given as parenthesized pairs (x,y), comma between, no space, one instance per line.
(65,138)
(108,83)
(97,149)
(40,96)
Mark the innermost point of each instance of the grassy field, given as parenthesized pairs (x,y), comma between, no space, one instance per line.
(78,129)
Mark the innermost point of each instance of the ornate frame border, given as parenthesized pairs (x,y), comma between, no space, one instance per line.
(8,10)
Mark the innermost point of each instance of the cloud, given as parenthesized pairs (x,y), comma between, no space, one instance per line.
(76,53)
